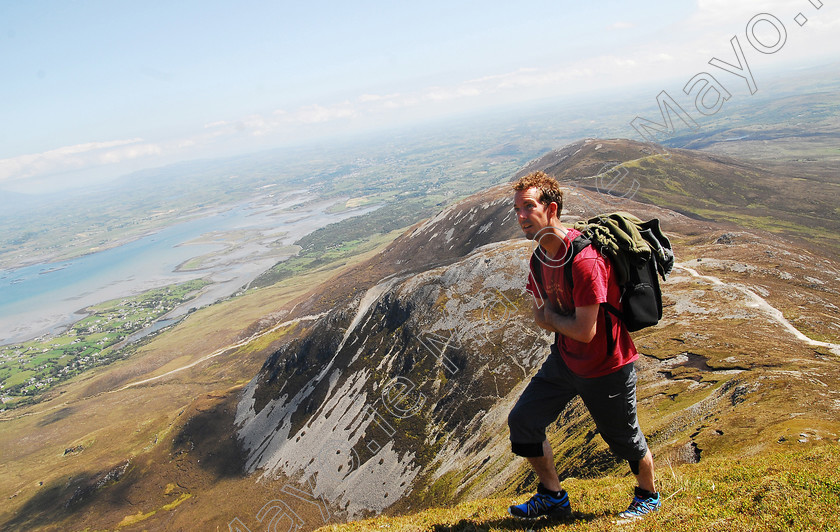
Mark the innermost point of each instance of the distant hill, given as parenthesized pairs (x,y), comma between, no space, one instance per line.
(16,203)
(783,200)
(699,185)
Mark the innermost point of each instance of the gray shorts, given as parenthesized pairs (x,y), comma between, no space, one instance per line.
(611,400)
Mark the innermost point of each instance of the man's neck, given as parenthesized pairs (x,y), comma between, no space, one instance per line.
(551,240)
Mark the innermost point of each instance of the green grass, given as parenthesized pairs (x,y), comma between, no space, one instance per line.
(31,368)
(19,377)
(792,489)
(336,243)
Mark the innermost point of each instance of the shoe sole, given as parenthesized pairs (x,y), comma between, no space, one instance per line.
(562,514)
(622,520)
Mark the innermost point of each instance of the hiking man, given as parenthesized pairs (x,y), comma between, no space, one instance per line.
(592,356)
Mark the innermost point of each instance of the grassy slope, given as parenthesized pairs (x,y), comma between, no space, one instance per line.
(795,488)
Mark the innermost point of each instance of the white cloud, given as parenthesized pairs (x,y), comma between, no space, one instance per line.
(682,48)
(212,125)
(127,153)
(281,123)
(365,98)
(73,157)
(725,16)
(441,94)
(519,81)
(725,12)
(312,114)
(281,120)
(757,25)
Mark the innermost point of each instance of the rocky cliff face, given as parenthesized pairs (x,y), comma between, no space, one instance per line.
(399,395)
(389,389)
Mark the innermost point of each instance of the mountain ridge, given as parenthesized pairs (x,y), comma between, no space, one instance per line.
(785,200)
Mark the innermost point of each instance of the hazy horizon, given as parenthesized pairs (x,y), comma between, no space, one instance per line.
(103,90)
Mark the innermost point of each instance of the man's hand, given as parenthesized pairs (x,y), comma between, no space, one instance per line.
(546,315)
(578,325)
(550,311)
(542,316)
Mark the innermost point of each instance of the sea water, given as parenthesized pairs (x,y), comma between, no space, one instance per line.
(44,298)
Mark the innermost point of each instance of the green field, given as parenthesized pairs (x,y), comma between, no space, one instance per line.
(30,368)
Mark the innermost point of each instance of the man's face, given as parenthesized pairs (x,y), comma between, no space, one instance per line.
(532,215)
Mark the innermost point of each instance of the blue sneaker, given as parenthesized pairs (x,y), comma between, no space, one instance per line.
(641,505)
(543,503)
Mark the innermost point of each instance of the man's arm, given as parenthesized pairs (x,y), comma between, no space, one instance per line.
(579,326)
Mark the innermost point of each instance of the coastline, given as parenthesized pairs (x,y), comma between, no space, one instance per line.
(245,240)
(78,251)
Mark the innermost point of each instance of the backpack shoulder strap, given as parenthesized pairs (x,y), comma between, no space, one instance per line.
(536,271)
(578,244)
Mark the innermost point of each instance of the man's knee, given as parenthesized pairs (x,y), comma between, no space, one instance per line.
(516,418)
(523,435)
(514,422)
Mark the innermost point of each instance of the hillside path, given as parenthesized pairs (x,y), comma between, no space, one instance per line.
(756,301)
(222,350)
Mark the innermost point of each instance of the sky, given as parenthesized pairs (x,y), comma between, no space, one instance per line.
(92,90)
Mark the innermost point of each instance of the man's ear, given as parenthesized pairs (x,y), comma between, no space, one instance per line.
(552,210)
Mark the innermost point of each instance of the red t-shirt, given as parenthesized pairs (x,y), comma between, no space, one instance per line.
(594,283)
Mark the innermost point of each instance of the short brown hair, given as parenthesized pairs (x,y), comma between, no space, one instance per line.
(548,186)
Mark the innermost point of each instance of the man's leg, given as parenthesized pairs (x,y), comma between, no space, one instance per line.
(550,499)
(539,405)
(611,400)
(645,479)
(645,498)
(545,469)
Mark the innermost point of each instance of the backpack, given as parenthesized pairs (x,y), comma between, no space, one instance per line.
(638,251)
